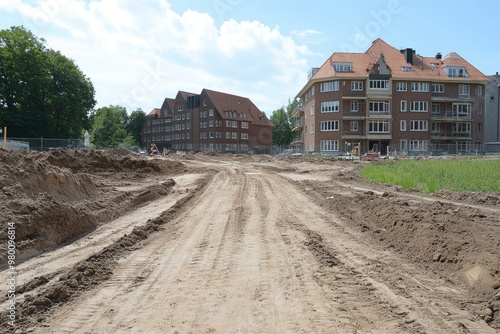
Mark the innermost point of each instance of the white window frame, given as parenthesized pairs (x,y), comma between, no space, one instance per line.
(419,86)
(356,85)
(329,126)
(438,88)
(379,84)
(403,105)
(329,86)
(418,145)
(380,107)
(419,106)
(329,145)
(330,106)
(378,126)
(401,86)
(402,125)
(354,106)
(354,125)
(464,91)
(419,125)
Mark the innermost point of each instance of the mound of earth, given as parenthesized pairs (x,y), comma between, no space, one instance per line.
(54,197)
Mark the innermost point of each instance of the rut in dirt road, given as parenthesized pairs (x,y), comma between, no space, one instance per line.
(253,254)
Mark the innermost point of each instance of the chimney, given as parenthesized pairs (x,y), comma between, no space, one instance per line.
(408,52)
(438,55)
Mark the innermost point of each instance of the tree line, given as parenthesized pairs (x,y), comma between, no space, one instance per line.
(43,93)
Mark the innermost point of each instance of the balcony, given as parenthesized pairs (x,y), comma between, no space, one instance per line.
(452,116)
(380,114)
(451,135)
(353,115)
(354,135)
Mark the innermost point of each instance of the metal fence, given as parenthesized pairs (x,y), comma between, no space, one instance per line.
(45,144)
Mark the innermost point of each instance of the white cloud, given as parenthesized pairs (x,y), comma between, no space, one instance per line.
(137,54)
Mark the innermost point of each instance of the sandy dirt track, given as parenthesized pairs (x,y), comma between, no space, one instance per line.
(264,245)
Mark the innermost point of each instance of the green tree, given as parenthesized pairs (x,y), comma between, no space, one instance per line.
(282,131)
(134,125)
(42,92)
(109,127)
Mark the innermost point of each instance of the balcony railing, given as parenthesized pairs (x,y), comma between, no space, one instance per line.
(451,135)
(452,115)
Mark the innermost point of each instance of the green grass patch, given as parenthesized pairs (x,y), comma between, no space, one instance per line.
(431,176)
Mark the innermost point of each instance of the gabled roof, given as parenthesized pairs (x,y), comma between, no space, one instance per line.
(184,94)
(168,104)
(155,112)
(421,68)
(227,102)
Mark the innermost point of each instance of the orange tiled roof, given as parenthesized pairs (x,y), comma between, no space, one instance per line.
(423,68)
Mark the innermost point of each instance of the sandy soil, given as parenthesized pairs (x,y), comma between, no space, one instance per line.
(110,242)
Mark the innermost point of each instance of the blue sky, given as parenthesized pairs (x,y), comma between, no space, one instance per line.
(136,53)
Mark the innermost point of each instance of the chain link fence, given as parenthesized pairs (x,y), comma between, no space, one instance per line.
(45,144)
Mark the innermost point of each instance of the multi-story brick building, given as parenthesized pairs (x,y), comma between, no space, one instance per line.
(390,99)
(210,120)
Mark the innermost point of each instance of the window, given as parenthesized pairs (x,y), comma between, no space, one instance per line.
(330,106)
(210,112)
(461,110)
(188,126)
(329,145)
(418,145)
(329,86)
(379,84)
(311,146)
(479,90)
(204,103)
(379,107)
(402,125)
(228,124)
(419,87)
(311,110)
(461,129)
(479,108)
(378,126)
(464,91)
(312,128)
(210,134)
(479,127)
(463,146)
(356,85)
(456,72)
(177,117)
(211,124)
(179,108)
(244,135)
(403,105)
(401,86)
(436,128)
(438,88)
(418,125)
(419,106)
(244,125)
(235,124)
(436,108)
(402,144)
(353,125)
(407,68)
(329,126)
(354,106)
(188,115)
(342,67)
(228,135)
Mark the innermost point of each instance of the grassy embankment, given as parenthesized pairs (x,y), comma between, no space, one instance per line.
(431,176)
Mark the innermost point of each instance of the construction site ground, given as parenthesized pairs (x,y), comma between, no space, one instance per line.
(114,242)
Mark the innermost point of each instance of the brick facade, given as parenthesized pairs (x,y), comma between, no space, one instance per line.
(209,121)
(389,99)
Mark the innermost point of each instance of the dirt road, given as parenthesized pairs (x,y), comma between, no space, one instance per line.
(268,247)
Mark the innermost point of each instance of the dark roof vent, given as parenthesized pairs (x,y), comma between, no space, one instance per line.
(438,55)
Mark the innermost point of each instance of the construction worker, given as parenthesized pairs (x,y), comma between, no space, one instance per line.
(153,147)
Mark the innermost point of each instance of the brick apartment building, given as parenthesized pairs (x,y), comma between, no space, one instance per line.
(209,121)
(492,115)
(390,99)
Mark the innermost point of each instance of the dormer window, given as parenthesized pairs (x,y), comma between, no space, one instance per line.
(407,68)
(456,72)
(342,67)
(179,108)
